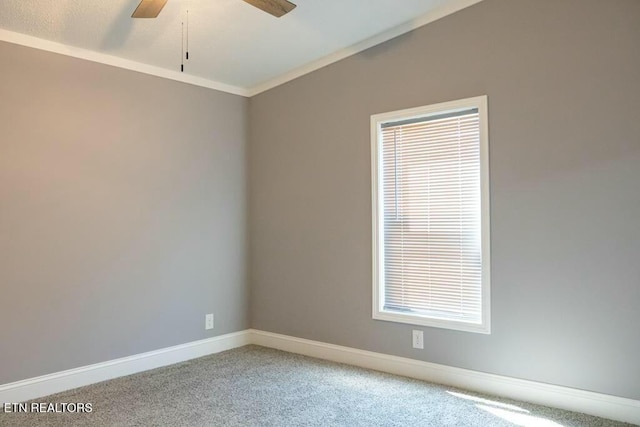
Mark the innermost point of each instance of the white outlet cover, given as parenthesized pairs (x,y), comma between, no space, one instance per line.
(208,321)
(418,339)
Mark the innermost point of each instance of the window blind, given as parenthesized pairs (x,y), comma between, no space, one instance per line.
(432,216)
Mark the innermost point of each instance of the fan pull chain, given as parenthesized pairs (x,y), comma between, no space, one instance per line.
(187,35)
(182,51)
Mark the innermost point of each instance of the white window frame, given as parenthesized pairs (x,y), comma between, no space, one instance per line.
(377,120)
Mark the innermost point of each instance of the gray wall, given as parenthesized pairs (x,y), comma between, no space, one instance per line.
(122,213)
(564,107)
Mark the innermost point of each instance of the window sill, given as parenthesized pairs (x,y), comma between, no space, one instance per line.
(411,319)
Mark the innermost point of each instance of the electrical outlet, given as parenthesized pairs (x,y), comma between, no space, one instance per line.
(208,321)
(418,339)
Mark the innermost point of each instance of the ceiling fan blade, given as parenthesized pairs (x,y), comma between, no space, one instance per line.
(275,7)
(149,8)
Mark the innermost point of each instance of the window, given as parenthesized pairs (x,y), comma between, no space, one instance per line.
(430,189)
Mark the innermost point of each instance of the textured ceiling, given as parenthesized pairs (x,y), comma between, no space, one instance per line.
(230,41)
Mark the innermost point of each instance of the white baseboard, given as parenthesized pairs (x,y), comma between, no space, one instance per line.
(601,405)
(60,381)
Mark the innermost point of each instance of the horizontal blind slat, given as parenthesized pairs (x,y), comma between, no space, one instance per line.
(431,202)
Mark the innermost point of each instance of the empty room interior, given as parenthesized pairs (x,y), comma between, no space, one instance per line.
(273,213)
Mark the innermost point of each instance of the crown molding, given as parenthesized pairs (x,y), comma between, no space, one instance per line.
(102,58)
(438,13)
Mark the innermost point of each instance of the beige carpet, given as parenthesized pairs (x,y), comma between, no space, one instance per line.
(256,386)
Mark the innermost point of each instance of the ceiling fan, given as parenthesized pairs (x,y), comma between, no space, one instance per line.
(277,8)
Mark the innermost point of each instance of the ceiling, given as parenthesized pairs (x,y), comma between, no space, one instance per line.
(232,45)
